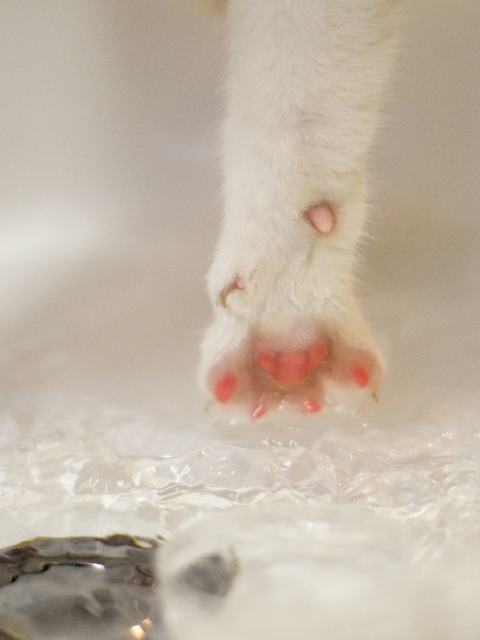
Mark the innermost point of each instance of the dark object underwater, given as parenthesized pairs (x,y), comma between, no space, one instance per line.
(80,588)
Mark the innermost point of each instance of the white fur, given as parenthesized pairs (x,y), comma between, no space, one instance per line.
(306,80)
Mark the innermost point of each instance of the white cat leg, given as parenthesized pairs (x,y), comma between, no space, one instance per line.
(304,89)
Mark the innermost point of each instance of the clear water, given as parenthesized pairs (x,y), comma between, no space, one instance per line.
(108,227)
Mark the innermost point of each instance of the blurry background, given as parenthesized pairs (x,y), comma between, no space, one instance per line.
(109,194)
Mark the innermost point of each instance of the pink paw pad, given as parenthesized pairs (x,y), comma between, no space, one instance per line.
(260,379)
(311,406)
(224,387)
(321,217)
(291,368)
(360,374)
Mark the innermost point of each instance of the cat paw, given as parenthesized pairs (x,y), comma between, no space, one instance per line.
(248,374)
(287,333)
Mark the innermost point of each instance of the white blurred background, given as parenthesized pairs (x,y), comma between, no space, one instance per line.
(109,192)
